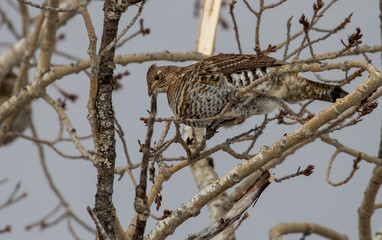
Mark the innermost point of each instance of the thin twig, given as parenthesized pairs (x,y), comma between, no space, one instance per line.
(45,168)
(9,24)
(49,144)
(100,228)
(71,230)
(141,30)
(235,28)
(12,198)
(306,172)
(62,202)
(48,8)
(140,204)
(364,156)
(251,195)
(69,127)
(129,163)
(164,133)
(42,221)
(354,169)
(183,143)
(123,32)
(288,40)
(341,26)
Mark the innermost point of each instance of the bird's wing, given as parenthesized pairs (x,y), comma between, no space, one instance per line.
(211,70)
(230,63)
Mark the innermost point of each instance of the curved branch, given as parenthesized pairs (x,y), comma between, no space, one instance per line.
(69,127)
(368,158)
(366,209)
(250,197)
(277,231)
(354,169)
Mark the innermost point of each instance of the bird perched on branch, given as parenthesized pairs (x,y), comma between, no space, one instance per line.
(199,92)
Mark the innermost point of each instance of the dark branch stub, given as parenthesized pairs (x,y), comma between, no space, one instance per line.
(140,203)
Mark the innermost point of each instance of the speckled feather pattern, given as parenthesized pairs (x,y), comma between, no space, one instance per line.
(202,90)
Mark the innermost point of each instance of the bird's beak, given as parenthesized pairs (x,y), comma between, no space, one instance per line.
(150,92)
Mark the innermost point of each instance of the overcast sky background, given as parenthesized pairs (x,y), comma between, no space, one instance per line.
(174,28)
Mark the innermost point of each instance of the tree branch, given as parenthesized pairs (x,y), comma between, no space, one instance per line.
(366,210)
(104,140)
(250,197)
(277,231)
(140,205)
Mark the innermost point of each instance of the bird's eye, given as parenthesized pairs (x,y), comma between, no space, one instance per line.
(157,77)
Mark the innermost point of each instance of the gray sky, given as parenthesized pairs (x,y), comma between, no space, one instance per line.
(174,28)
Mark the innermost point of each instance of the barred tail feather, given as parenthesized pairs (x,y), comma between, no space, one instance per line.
(325,92)
(338,92)
(307,89)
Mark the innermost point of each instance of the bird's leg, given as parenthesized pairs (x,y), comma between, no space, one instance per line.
(210,132)
(232,122)
(235,97)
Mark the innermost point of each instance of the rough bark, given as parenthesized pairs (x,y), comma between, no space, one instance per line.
(105,139)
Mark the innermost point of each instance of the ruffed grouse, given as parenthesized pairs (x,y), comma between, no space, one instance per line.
(203,89)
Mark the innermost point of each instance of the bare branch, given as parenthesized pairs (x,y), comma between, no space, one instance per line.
(366,209)
(288,40)
(8,22)
(140,204)
(124,31)
(250,197)
(100,228)
(55,9)
(235,28)
(142,31)
(48,41)
(102,125)
(306,172)
(355,168)
(352,152)
(121,135)
(12,198)
(69,128)
(306,228)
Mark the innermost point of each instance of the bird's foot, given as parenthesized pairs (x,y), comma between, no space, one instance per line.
(210,132)
(235,98)
(232,122)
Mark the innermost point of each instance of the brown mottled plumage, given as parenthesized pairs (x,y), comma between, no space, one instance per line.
(203,89)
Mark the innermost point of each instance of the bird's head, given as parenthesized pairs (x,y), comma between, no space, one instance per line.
(157,79)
